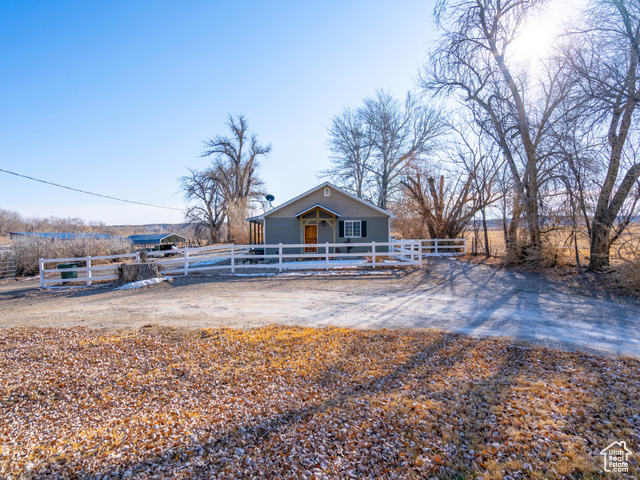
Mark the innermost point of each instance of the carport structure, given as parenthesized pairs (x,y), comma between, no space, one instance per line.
(154,239)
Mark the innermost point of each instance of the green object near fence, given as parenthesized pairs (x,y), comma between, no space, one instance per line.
(68,274)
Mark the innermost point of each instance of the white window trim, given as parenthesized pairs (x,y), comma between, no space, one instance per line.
(327,192)
(359,222)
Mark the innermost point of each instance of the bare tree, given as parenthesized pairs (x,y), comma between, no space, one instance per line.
(473,58)
(209,211)
(235,166)
(409,222)
(401,134)
(605,57)
(10,221)
(374,145)
(350,145)
(447,204)
(482,162)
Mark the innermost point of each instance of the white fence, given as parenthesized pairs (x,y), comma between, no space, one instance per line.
(323,256)
(293,256)
(442,247)
(90,271)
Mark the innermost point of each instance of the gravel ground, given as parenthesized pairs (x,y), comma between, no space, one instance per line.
(451,295)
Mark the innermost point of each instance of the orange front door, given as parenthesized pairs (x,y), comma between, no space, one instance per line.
(310,236)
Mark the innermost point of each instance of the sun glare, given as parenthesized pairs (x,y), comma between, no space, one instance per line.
(540,34)
(535,43)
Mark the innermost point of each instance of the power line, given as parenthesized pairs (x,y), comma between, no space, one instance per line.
(89,193)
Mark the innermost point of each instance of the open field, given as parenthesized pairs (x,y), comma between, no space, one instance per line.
(450,295)
(282,402)
(627,247)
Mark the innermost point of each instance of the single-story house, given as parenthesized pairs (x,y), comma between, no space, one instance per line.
(324,214)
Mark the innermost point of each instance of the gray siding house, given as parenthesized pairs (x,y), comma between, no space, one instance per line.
(323,214)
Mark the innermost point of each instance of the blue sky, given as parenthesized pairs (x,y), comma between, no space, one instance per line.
(117,97)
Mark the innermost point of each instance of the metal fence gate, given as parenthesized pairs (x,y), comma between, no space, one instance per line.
(7,263)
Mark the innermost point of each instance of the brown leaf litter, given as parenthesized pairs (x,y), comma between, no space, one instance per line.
(308,403)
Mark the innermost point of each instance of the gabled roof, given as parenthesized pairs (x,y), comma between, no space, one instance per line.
(317,205)
(314,189)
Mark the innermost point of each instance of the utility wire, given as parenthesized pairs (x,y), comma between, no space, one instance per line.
(88,193)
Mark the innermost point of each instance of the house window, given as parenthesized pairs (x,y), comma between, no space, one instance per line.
(352,229)
(327,192)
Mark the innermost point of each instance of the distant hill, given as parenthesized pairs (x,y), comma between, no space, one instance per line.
(126,230)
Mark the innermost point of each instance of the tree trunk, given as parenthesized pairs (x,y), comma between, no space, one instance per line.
(486,234)
(532,210)
(505,228)
(512,232)
(600,245)
(575,246)
(133,272)
(382,200)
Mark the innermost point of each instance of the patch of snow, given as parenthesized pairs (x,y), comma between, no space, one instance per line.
(58,287)
(312,273)
(335,263)
(140,284)
(208,262)
(322,263)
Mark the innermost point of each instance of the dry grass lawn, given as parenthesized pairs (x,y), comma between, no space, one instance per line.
(560,242)
(306,403)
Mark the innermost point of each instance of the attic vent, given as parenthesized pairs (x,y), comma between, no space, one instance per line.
(327,192)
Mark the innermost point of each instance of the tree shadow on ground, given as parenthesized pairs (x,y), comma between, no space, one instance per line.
(178,282)
(475,400)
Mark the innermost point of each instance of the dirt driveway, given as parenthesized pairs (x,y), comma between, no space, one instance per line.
(448,294)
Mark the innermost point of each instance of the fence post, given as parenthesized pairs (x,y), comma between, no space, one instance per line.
(373,254)
(88,261)
(280,257)
(41,264)
(420,250)
(326,252)
(233,259)
(186,261)
(465,246)
(436,252)
(137,257)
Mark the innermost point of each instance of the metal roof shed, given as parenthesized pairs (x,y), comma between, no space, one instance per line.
(156,239)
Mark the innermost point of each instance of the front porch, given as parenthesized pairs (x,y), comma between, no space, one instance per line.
(256,231)
(317,225)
